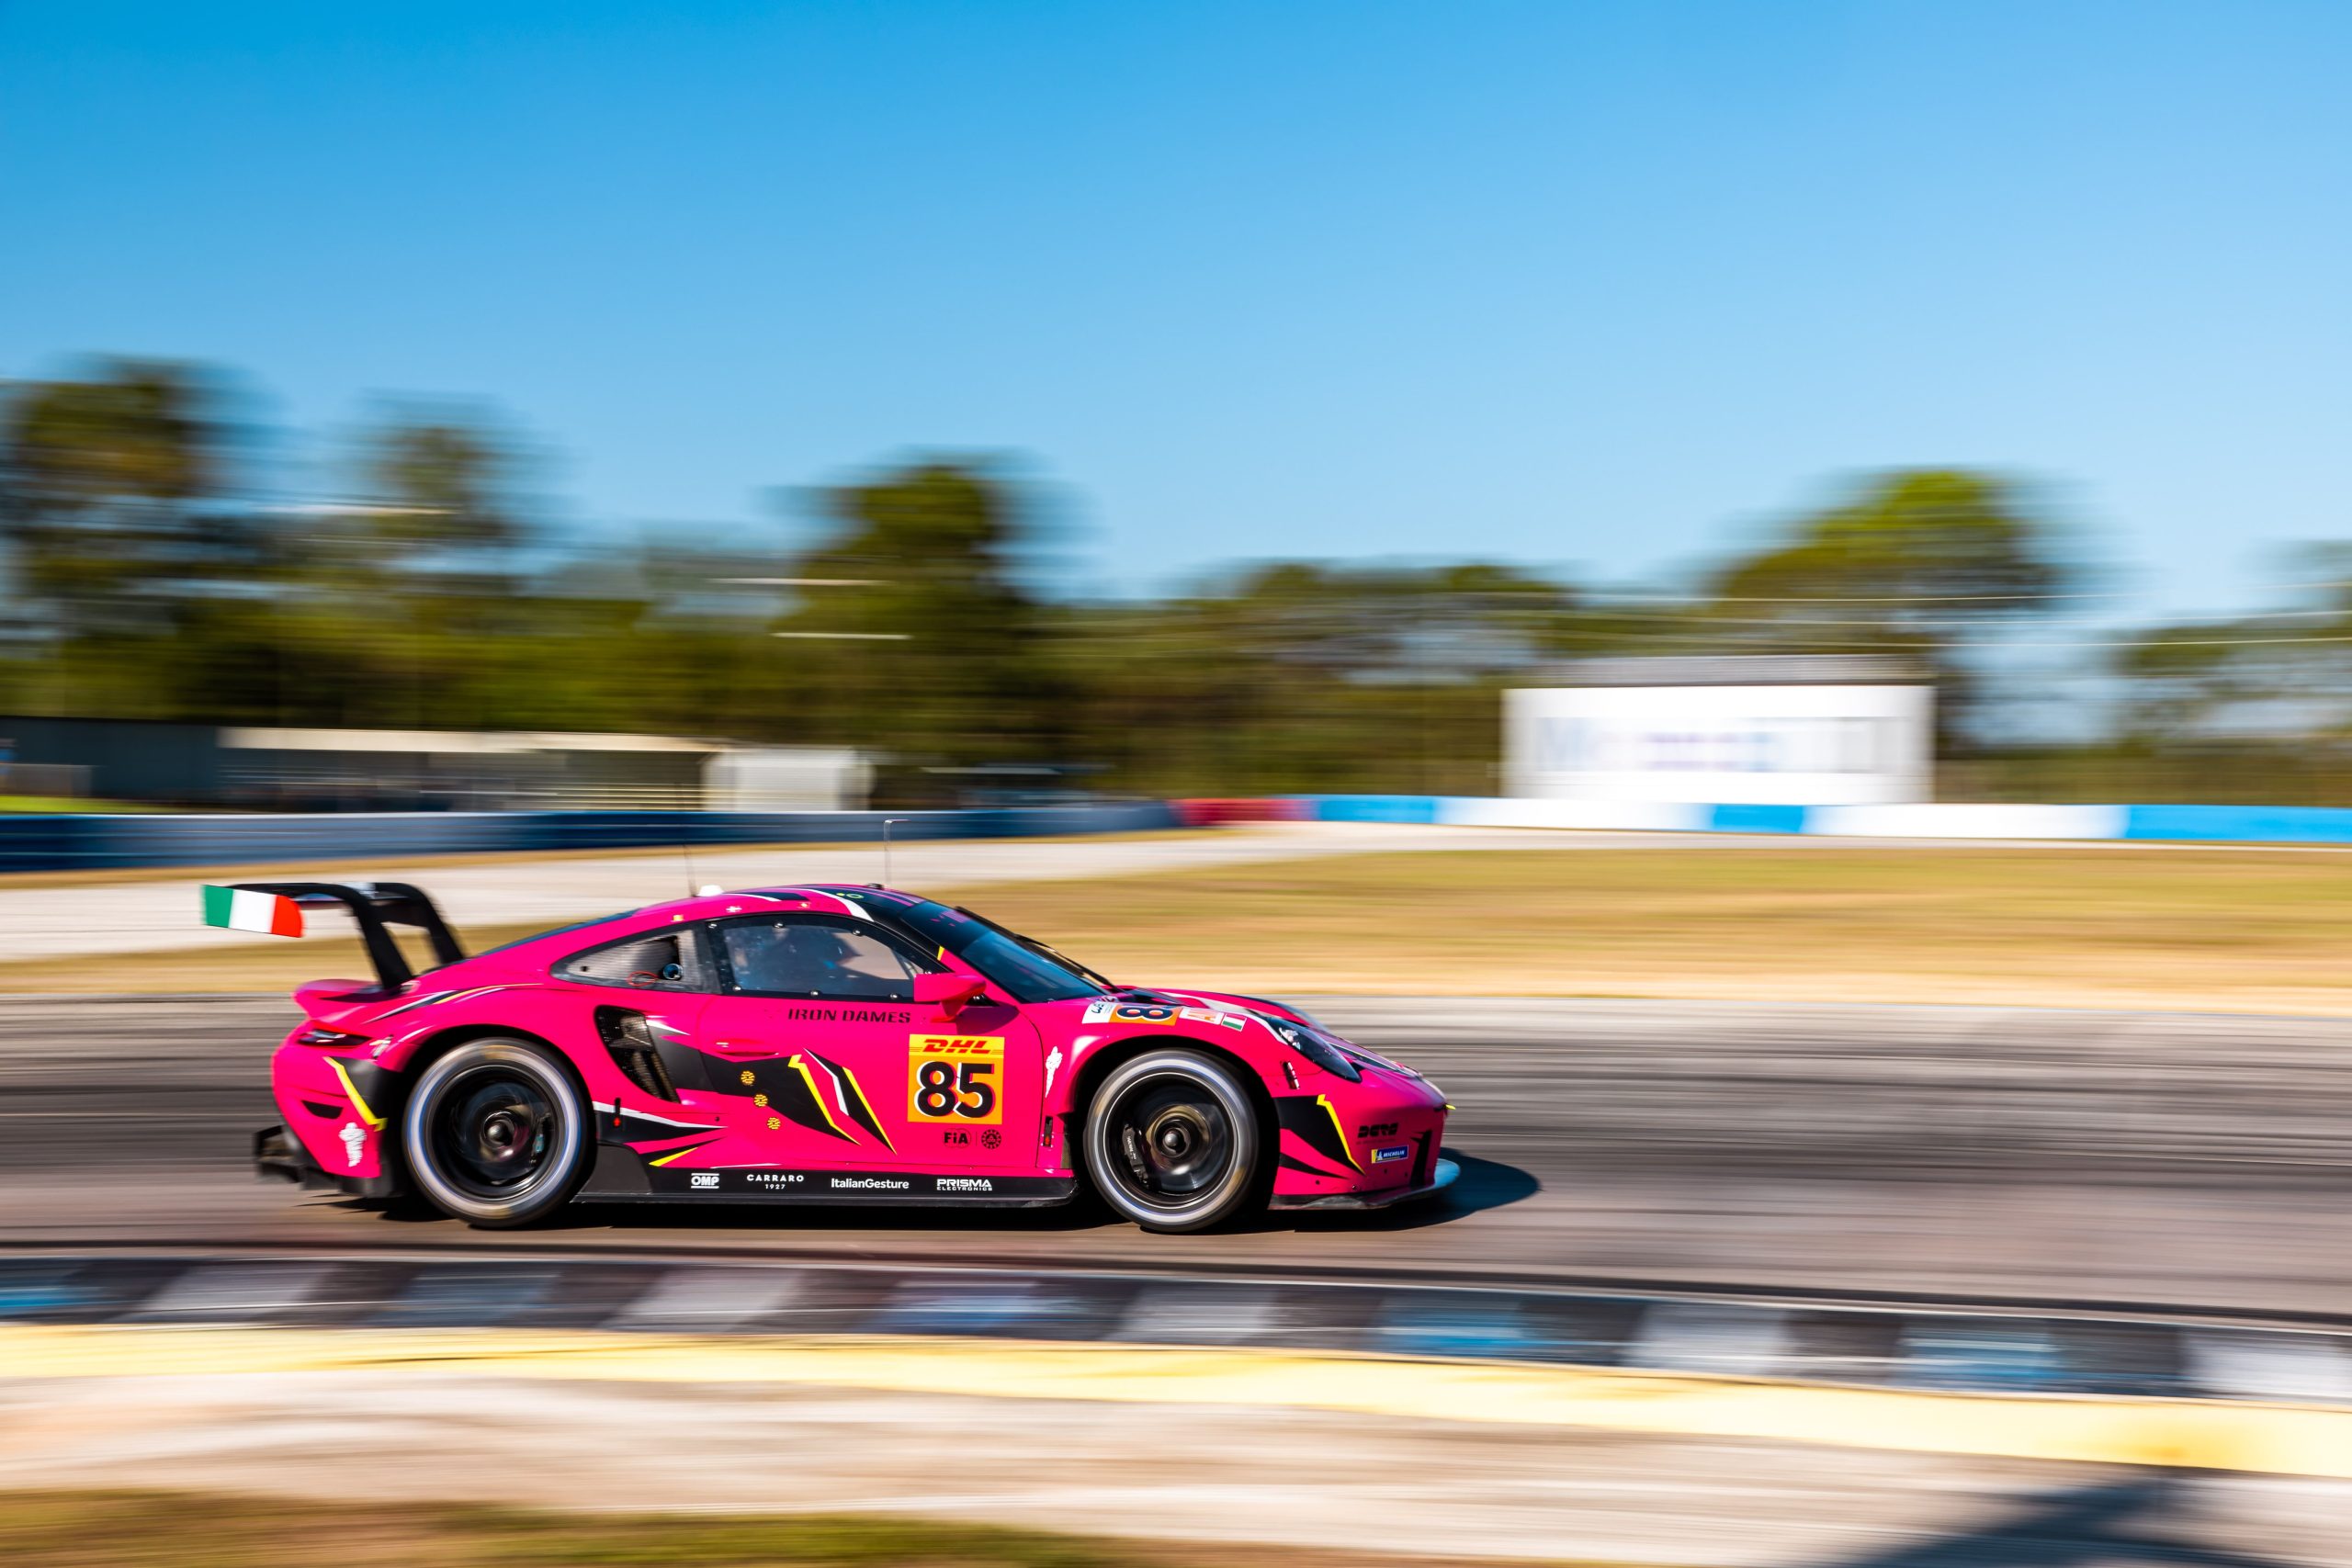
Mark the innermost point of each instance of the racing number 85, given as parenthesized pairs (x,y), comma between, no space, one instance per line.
(954,1076)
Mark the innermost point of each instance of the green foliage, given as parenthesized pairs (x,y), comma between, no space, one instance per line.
(105,488)
(1918,547)
(150,582)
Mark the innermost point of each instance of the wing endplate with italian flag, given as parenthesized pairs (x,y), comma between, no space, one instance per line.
(248,909)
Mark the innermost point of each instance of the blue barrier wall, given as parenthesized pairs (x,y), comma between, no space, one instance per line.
(38,842)
(1756,819)
(2247,824)
(1372,807)
(2198,823)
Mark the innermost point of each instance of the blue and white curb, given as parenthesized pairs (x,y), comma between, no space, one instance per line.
(2009,1349)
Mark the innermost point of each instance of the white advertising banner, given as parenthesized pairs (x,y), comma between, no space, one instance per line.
(1787,745)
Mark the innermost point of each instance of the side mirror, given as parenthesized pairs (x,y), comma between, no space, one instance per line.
(951,994)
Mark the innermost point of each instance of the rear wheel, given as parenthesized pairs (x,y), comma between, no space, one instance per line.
(1172,1141)
(496,1134)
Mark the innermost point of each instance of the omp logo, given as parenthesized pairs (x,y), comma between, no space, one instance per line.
(867,1184)
(355,1141)
(1393,1153)
(702,1178)
(965,1184)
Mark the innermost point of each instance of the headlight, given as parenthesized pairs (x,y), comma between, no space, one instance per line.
(1320,1052)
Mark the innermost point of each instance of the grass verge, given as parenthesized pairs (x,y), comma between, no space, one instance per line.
(2212,931)
(2045,927)
(167,1530)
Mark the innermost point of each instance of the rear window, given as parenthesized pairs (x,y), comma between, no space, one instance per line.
(665,959)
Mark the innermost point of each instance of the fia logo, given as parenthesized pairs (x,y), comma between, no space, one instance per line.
(354,1141)
(956,1136)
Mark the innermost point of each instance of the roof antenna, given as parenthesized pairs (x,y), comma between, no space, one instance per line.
(886,823)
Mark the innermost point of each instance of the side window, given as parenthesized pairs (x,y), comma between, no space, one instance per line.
(650,961)
(803,956)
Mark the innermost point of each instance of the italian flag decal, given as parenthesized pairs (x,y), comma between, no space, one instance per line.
(242,909)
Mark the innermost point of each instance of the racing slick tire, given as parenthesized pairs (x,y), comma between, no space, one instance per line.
(496,1132)
(1173,1141)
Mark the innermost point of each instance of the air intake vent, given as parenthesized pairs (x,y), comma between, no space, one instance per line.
(634,1052)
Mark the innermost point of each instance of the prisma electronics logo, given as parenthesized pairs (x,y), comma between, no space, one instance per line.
(963,1184)
(867,1184)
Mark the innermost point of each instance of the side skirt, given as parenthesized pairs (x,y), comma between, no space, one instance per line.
(614,1183)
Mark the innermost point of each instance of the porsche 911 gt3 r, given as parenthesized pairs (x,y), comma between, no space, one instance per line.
(820,1044)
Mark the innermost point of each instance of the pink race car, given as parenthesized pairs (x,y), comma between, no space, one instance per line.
(816,1044)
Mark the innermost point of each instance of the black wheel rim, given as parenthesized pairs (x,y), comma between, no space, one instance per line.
(1170,1141)
(495,1133)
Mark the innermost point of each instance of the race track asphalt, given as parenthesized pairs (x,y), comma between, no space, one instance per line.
(2172,1160)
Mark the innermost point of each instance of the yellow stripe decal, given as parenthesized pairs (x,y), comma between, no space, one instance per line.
(866,1106)
(359,1101)
(1338,1130)
(799,1065)
(2169,1432)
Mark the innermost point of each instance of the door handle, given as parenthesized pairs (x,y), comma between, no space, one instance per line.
(744,1048)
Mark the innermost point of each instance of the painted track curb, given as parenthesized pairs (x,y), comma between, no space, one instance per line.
(1902,1346)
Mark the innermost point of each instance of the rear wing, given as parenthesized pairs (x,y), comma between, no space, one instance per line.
(375,907)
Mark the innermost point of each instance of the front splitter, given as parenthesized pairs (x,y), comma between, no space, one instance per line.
(1447,1171)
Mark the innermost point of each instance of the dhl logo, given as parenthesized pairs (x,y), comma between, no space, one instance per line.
(958,1046)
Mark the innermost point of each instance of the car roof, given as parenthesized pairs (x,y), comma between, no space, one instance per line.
(820,897)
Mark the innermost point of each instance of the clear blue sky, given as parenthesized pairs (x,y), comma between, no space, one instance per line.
(1587,285)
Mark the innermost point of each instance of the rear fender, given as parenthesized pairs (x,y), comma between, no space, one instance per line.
(399,1033)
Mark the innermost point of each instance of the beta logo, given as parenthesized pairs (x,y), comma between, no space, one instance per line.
(702,1180)
(355,1142)
(1376,1130)
(1392,1153)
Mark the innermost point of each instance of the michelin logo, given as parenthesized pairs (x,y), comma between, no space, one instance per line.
(1391,1153)
(354,1141)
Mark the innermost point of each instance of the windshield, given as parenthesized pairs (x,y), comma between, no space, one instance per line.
(1029,971)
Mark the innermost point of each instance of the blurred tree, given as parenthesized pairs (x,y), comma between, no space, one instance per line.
(101,482)
(909,631)
(121,536)
(1916,565)
(1920,552)
(441,481)
(2279,676)
(1302,675)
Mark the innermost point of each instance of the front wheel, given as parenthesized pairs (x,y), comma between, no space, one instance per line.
(496,1134)
(1172,1141)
